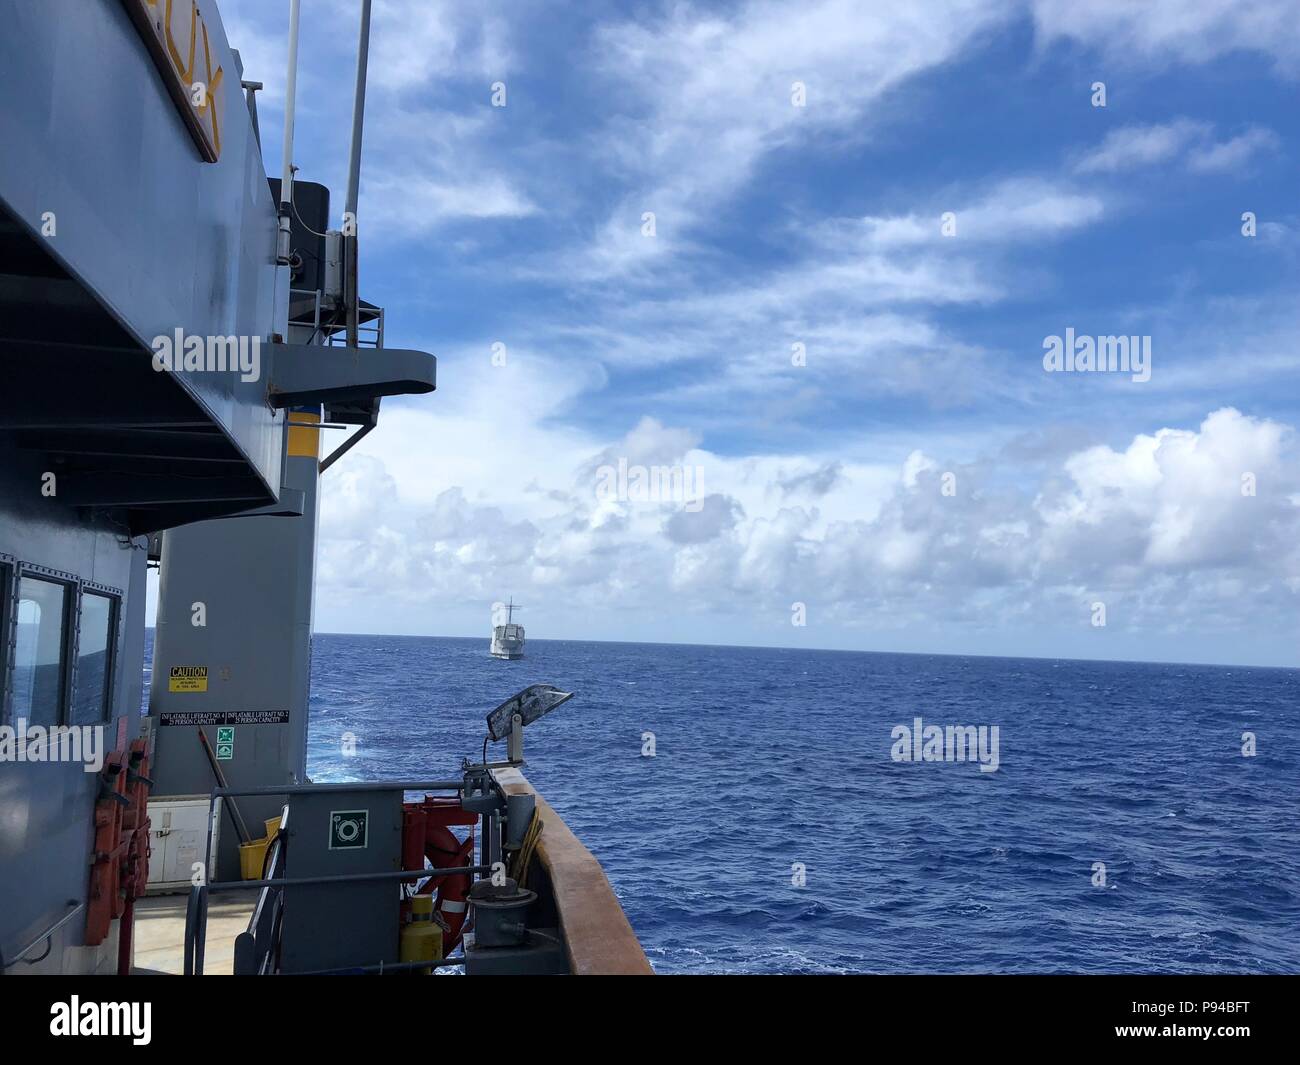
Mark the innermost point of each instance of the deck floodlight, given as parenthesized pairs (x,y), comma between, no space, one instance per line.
(523,708)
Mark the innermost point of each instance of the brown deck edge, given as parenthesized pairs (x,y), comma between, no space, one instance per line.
(597,936)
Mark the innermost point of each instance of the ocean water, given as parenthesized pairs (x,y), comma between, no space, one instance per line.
(767,760)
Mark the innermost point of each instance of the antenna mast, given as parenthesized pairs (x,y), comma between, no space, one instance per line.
(351,288)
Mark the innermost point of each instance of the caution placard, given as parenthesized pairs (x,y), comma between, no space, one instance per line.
(187,679)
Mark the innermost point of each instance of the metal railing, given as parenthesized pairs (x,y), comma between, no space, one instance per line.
(315,296)
(369,334)
(257,947)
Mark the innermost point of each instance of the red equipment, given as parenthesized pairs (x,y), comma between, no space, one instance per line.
(119,862)
(426,833)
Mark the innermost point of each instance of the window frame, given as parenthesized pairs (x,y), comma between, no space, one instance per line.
(114,598)
(12,572)
(8,590)
(71,586)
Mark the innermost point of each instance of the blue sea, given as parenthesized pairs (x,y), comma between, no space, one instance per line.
(770,762)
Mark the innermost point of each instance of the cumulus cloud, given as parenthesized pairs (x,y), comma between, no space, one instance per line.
(717,514)
(1174,499)
(815,482)
(1152,527)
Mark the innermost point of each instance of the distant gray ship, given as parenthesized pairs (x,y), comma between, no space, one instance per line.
(508,639)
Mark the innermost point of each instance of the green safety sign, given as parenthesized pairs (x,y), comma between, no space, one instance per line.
(226,735)
(348,829)
(225,752)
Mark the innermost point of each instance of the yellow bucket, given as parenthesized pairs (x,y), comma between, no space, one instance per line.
(252,856)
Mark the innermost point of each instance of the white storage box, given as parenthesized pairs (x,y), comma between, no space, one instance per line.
(178,834)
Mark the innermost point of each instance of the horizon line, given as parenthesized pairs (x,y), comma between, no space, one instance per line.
(833,650)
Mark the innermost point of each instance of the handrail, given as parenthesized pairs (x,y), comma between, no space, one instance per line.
(271,962)
(49,932)
(349,878)
(387,967)
(272,863)
(254,945)
(346,786)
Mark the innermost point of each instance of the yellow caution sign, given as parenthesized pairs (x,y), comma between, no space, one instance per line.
(188,679)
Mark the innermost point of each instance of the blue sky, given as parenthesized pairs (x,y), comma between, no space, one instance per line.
(820,225)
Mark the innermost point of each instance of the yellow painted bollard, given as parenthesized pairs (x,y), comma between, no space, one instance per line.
(421,940)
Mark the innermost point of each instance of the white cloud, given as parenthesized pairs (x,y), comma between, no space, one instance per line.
(1014,211)
(1157,529)
(424,165)
(1235,153)
(858,294)
(262,51)
(420,41)
(1176,29)
(1177,495)
(709,95)
(1135,146)
(405,205)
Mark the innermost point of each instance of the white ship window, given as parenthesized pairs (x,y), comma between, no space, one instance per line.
(40,651)
(90,700)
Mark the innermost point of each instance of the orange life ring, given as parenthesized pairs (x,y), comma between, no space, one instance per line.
(445,851)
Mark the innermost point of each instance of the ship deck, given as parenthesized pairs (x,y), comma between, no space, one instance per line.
(160,933)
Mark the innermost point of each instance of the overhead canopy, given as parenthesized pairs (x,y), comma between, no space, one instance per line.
(81,395)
